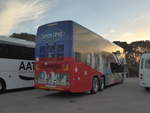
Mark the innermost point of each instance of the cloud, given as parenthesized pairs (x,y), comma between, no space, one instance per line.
(133,30)
(140,34)
(112,31)
(17,11)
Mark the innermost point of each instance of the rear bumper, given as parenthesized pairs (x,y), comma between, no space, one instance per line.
(53,88)
(144,84)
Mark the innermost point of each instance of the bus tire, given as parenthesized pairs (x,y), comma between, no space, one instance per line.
(95,85)
(122,79)
(2,86)
(147,88)
(102,84)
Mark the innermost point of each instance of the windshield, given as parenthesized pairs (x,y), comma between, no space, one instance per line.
(147,63)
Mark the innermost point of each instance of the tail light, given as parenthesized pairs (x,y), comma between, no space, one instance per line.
(66,67)
(37,67)
(141,76)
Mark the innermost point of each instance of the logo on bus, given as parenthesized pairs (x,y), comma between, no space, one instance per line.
(26,66)
(51,37)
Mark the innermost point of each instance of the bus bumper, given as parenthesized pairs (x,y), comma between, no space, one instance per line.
(53,88)
(144,84)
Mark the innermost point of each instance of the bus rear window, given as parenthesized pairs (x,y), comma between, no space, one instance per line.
(60,48)
(42,51)
(51,48)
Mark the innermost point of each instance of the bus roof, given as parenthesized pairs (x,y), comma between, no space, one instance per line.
(71,21)
(15,41)
(145,55)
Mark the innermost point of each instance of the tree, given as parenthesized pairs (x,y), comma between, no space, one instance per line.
(133,52)
(25,36)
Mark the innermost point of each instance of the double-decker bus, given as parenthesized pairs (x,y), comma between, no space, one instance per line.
(69,57)
(16,63)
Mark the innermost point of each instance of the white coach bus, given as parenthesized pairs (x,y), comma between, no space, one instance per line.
(144,71)
(16,63)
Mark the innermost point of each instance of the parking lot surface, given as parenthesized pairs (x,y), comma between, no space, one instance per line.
(128,97)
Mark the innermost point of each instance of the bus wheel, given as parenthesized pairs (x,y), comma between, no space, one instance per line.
(95,85)
(2,86)
(101,84)
(147,88)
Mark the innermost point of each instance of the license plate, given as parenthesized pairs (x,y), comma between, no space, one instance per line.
(50,85)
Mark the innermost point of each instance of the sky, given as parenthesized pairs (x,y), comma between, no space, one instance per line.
(115,20)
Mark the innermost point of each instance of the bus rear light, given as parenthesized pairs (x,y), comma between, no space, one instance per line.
(78,78)
(76,69)
(45,63)
(85,72)
(66,67)
(37,59)
(37,67)
(141,77)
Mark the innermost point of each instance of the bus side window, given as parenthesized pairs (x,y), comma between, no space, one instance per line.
(89,59)
(147,64)
(6,51)
(3,51)
(97,61)
(16,52)
(19,52)
(27,53)
(100,68)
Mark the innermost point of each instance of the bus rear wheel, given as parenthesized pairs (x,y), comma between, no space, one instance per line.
(2,86)
(147,88)
(101,84)
(95,85)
